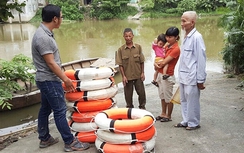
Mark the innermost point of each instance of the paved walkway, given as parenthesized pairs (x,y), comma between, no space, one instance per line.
(221,123)
(137,16)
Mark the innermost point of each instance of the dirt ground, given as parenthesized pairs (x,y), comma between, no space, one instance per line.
(222,104)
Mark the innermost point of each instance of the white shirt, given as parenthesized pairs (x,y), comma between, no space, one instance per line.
(192,66)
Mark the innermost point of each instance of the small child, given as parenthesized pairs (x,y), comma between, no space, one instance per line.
(158,47)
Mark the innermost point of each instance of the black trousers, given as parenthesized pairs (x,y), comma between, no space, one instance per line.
(140,90)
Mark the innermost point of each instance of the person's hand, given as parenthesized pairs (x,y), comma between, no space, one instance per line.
(160,63)
(125,80)
(156,66)
(155,41)
(200,86)
(69,85)
(142,76)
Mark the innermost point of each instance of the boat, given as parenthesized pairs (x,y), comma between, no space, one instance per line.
(32,95)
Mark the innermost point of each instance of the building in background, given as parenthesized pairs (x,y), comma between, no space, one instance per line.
(29,10)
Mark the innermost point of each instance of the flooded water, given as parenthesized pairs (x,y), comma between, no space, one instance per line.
(80,40)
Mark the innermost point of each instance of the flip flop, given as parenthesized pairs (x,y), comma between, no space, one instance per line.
(179,125)
(154,83)
(193,128)
(165,119)
(159,118)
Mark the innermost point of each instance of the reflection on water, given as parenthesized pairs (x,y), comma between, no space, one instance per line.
(17,117)
(88,39)
(102,38)
(15,39)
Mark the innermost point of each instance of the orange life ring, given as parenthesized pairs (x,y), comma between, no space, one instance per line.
(85,117)
(124,138)
(104,147)
(82,127)
(91,95)
(92,105)
(90,73)
(125,120)
(89,85)
(86,136)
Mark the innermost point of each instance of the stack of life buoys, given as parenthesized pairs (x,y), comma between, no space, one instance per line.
(95,91)
(125,130)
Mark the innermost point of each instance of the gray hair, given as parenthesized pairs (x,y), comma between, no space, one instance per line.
(191,14)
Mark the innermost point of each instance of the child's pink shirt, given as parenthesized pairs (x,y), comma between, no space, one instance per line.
(159,52)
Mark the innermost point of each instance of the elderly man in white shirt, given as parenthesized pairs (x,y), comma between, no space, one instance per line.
(192,73)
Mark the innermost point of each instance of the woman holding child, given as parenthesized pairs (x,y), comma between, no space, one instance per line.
(165,86)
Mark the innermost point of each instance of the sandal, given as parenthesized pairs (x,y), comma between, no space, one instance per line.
(179,125)
(159,118)
(165,77)
(165,119)
(193,128)
(154,83)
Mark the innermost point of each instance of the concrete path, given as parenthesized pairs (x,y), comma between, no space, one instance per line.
(222,120)
(137,16)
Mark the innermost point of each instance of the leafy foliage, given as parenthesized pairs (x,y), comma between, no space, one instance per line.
(110,9)
(18,69)
(233,51)
(211,5)
(147,5)
(37,17)
(179,6)
(5,9)
(186,5)
(70,9)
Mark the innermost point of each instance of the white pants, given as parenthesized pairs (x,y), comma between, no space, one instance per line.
(165,89)
(190,105)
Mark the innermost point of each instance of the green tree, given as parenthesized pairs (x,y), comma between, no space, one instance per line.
(177,6)
(5,9)
(70,9)
(186,5)
(233,51)
(109,9)
(211,5)
(160,5)
(146,4)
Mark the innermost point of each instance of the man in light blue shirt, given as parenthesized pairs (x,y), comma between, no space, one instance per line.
(192,73)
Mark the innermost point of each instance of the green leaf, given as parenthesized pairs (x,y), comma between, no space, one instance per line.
(11,72)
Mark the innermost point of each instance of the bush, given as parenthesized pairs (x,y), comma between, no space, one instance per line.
(70,9)
(186,5)
(105,15)
(233,51)
(12,71)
